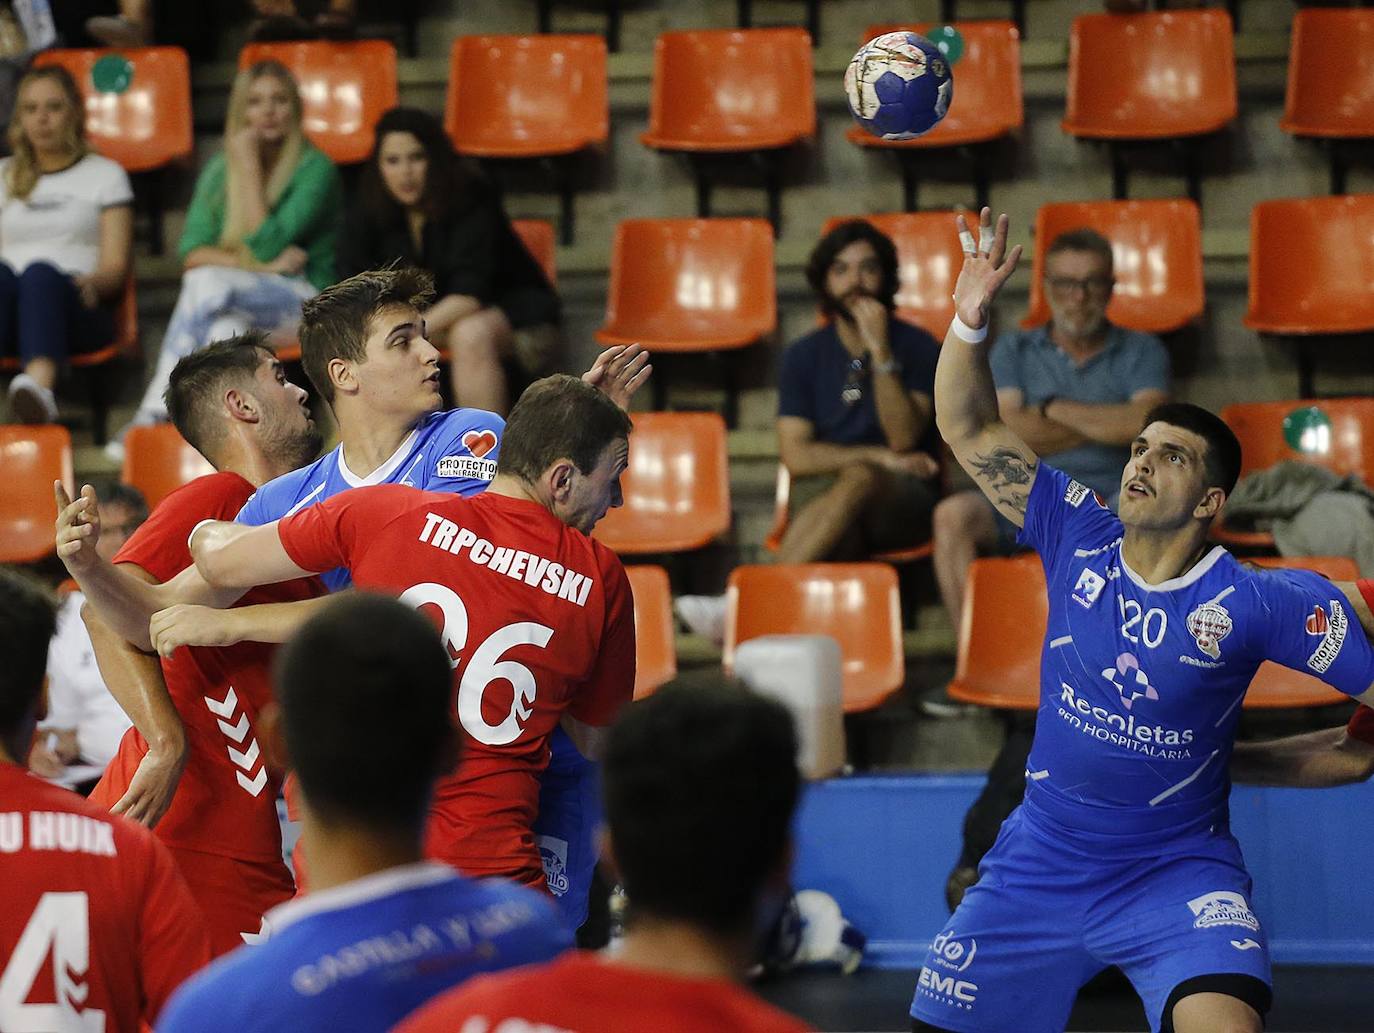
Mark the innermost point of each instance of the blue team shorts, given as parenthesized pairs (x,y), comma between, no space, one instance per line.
(1046,916)
(568,824)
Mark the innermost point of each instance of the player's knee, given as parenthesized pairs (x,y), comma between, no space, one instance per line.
(962,517)
(860,480)
(1219,1003)
(41,275)
(476,337)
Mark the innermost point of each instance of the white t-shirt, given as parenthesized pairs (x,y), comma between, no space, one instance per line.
(60,221)
(77,696)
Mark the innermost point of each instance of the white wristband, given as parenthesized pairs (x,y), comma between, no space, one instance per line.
(210,520)
(966,333)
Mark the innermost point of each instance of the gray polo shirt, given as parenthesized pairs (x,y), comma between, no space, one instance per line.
(1130,362)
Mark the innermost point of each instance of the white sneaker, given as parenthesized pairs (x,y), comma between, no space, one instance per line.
(31,402)
(704,615)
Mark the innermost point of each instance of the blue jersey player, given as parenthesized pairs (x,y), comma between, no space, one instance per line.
(1121,853)
(363,346)
(383,931)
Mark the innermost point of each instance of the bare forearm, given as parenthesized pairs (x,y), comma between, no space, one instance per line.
(122,602)
(213,256)
(448,310)
(1107,424)
(232,556)
(272,622)
(965,397)
(819,457)
(1313,760)
(135,681)
(897,415)
(1046,436)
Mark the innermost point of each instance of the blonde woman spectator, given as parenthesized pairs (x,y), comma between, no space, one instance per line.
(65,240)
(260,232)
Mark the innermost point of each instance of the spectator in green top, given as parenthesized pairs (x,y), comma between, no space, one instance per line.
(260,232)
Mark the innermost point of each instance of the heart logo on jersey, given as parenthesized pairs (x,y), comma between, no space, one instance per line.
(479,442)
(1209,624)
(1317,624)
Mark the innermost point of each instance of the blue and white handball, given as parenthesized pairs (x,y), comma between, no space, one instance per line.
(899,85)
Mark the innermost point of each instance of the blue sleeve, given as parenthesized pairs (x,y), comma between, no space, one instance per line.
(1147,366)
(461,456)
(254,511)
(794,388)
(1311,629)
(1063,514)
(918,353)
(1005,359)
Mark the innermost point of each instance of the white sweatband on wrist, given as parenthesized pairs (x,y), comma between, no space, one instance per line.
(961,330)
(210,520)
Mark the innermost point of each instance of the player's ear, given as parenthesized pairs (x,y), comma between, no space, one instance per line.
(273,735)
(342,375)
(241,405)
(1211,504)
(559,479)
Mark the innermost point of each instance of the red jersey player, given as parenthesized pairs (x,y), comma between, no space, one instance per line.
(1330,757)
(700,783)
(97,928)
(232,402)
(537,616)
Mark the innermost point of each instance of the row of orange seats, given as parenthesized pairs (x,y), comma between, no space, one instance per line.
(1145,76)
(677,499)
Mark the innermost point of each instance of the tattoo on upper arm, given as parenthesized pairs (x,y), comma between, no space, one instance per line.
(1006,474)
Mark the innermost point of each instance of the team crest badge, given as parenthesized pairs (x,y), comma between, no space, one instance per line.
(1209,624)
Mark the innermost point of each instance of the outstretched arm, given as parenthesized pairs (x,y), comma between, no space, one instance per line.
(1330,757)
(1001,464)
(190,625)
(230,555)
(619,372)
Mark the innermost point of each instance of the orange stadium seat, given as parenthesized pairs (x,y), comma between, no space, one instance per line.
(1156,255)
(928,261)
(677,486)
(158,460)
(537,236)
(1310,271)
(1337,433)
(1001,634)
(146,124)
(782,495)
(539,96)
(691,285)
(31,458)
(712,95)
(986,105)
(854,603)
(345,87)
(124,346)
(1152,76)
(1335,568)
(655,650)
(1330,69)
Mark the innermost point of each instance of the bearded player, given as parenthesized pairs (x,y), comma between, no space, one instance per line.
(1121,852)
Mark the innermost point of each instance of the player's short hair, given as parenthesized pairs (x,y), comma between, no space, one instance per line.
(1222,459)
(1082,239)
(200,379)
(559,417)
(28,615)
(365,691)
(335,322)
(846,233)
(700,782)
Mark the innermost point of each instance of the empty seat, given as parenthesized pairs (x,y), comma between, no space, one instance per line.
(782,497)
(158,460)
(1156,259)
(732,91)
(1330,92)
(1001,634)
(1153,76)
(529,97)
(345,88)
(676,489)
(854,603)
(928,261)
(31,458)
(986,105)
(655,650)
(1311,266)
(537,236)
(1337,433)
(144,123)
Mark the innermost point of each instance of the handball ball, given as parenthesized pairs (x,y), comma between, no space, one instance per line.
(899,85)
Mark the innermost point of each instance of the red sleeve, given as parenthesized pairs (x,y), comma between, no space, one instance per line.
(598,700)
(159,545)
(1361,725)
(1366,587)
(173,944)
(330,533)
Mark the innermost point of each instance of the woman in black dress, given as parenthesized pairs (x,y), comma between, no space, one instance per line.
(418,204)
